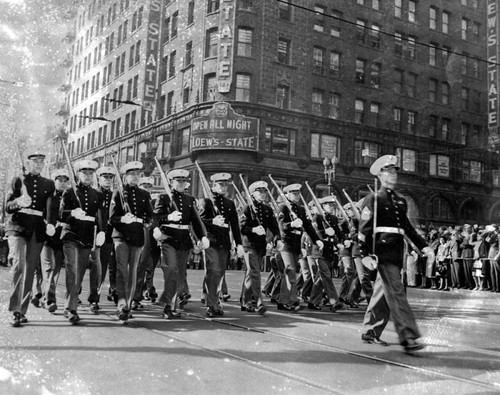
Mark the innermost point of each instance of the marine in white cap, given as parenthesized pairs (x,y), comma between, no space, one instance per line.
(175,217)
(219,221)
(26,231)
(129,218)
(390,228)
(83,231)
(257,219)
(293,223)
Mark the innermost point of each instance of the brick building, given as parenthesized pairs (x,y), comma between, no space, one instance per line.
(269,87)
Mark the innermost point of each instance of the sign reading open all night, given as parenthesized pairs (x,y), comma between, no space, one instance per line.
(222,128)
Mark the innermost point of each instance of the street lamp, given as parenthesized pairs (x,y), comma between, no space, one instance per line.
(329,171)
(148,157)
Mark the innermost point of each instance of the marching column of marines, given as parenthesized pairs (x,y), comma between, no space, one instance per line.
(90,217)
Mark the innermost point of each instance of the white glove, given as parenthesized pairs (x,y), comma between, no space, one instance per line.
(218,221)
(296,223)
(157,233)
(78,213)
(320,244)
(347,243)
(428,251)
(23,201)
(370,262)
(330,231)
(175,216)
(100,238)
(259,230)
(240,251)
(204,243)
(127,218)
(50,230)
(280,245)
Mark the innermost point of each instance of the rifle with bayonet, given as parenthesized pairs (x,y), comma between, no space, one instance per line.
(121,188)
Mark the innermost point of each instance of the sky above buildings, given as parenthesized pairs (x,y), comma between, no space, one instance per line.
(31,48)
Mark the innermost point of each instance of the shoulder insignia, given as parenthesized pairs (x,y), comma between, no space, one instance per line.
(366,214)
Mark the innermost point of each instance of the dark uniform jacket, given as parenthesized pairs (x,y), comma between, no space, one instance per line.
(292,236)
(330,242)
(81,231)
(250,219)
(40,189)
(391,213)
(139,201)
(185,204)
(52,218)
(219,236)
(107,194)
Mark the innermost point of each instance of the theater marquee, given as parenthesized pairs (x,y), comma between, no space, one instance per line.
(222,128)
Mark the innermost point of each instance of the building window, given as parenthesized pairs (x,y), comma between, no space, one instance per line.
(283,97)
(213,6)
(412,9)
(439,166)
(190,17)
(398,81)
(188,55)
(445,129)
(475,29)
(375,36)
(445,22)
(166,30)
(445,52)
(463,63)
(360,71)
(464,132)
(324,146)
(376,4)
(375,75)
(317,101)
(407,159)
(283,50)
(334,106)
(412,85)
(335,21)
(398,44)
(245,5)
(360,31)
(319,18)
(465,96)
(359,111)
(279,140)
(210,88)
(412,121)
(445,93)
(432,90)
(212,43)
(243,87)
(375,113)
(175,25)
(432,18)
(411,47)
(285,10)
(334,63)
(465,28)
(171,64)
(170,103)
(185,138)
(366,152)
(397,119)
(318,55)
(185,97)
(472,171)
(433,125)
(244,46)
(474,139)
(398,8)
(432,54)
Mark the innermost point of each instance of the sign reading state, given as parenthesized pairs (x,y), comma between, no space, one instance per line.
(222,128)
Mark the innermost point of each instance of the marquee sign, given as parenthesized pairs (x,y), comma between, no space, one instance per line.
(223,128)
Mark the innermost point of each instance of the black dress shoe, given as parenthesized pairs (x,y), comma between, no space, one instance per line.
(337,306)
(370,338)
(261,309)
(24,320)
(211,312)
(73,317)
(411,345)
(170,314)
(16,320)
(123,315)
(312,306)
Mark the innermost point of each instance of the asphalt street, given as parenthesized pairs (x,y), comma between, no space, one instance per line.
(309,352)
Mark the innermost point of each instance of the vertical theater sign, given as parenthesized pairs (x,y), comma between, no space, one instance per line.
(152,53)
(492,53)
(226,47)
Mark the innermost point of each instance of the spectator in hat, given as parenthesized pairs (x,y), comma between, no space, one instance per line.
(83,231)
(130,213)
(467,257)
(26,231)
(493,241)
(443,263)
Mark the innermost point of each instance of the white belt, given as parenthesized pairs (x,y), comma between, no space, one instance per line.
(297,232)
(177,226)
(389,229)
(223,226)
(140,220)
(30,211)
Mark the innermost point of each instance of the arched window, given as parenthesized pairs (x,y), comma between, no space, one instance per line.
(471,211)
(439,209)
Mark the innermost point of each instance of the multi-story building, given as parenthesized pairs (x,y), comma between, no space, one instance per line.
(262,87)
